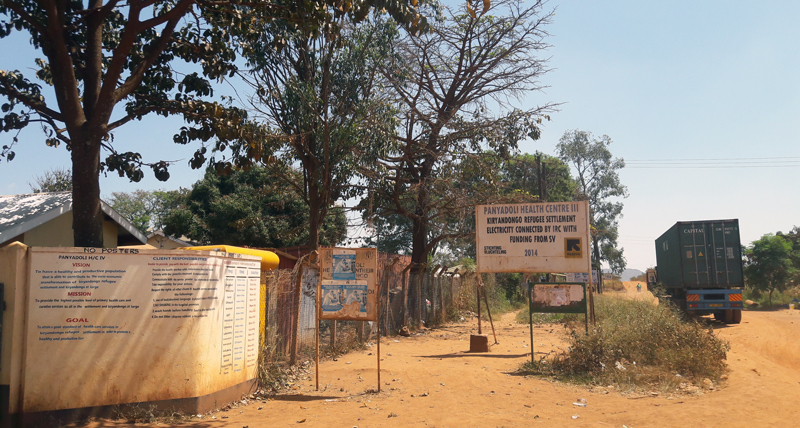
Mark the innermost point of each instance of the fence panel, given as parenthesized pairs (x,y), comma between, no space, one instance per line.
(441,294)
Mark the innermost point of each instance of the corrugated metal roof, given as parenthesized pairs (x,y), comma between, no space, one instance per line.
(21,213)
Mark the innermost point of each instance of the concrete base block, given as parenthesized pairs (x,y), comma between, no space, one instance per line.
(478,343)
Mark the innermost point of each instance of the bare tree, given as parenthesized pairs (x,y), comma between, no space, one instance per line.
(456,90)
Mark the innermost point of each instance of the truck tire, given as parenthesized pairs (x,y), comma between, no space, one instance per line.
(733,316)
(728,314)
(719,316)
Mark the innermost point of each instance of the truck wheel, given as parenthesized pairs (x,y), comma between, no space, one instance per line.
(736,317)
(728,314)
(719,316)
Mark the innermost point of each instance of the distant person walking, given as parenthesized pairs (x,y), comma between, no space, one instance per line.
(639,288)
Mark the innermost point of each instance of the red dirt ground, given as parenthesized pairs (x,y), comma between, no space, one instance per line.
(430,380)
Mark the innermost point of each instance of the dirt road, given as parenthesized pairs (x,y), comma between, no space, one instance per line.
(429,380)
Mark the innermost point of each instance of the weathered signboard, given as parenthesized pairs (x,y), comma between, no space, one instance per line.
(152,325)
(534,237)
(348,284)
(561,297)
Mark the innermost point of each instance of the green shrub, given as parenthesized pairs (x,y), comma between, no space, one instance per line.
(778,298)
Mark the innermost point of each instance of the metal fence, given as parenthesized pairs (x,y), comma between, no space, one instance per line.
(431,299)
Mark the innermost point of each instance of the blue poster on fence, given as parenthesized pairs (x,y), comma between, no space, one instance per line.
(332,296)
(344,265)
(344,299)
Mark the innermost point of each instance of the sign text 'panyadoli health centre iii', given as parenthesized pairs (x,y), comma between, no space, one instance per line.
(535,237)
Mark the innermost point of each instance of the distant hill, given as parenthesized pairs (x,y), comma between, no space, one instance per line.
(627,274)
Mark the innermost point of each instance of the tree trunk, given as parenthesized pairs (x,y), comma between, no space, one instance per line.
(596,263)
(87,216)
(313,224)
(317,207)
(419,258)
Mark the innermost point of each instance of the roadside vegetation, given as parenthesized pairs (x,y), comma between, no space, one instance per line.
(779,298)
(638,346)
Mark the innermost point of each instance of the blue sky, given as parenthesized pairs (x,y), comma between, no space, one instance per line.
(676,80)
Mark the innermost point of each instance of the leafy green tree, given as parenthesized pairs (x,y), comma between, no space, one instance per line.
(99,54)
(317,90)
(443,81)
(793,237)
(478,179)
(768,264)
(54,180)
(598,182)
(522,173)
(249,208)
(391,234)
(147,210)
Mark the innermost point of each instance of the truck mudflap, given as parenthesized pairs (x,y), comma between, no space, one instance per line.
(714,299)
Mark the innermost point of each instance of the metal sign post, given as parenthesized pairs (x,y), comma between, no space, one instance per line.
(544,237)
(557,298)
(530,316)
(348,289)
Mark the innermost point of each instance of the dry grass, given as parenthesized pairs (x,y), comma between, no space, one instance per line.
(638,344)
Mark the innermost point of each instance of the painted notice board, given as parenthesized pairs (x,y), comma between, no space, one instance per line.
(348,286)
(564,297)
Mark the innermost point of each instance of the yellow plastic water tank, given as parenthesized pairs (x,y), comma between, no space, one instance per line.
(269,260)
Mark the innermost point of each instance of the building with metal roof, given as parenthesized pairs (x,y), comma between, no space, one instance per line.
(45,220)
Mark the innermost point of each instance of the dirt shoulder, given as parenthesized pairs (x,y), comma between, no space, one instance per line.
(430,380)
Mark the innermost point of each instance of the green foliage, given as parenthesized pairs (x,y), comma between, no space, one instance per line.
(54,180)
(248,208)
(392,235)
(147,210)
(97,56)
(510,284)
(768,265)
(765,300)
(793,237)
(652,342)
(521,173)
(114,57)
(319,91)
(598,182)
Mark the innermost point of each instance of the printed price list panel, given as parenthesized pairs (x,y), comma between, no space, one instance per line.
(240,318)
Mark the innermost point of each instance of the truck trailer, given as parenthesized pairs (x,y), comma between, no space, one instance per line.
(699,264)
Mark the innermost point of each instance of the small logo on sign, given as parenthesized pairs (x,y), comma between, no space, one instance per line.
(573,248)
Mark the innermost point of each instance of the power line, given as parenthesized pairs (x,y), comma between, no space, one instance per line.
(715,163)
(713,159)
(711,167)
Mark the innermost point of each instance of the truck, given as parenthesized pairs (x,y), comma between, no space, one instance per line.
(699,264)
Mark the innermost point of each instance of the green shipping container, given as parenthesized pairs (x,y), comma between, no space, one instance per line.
(700,254)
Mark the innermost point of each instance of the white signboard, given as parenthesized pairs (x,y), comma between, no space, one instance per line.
(535,237)
(109,326)
(582,277)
